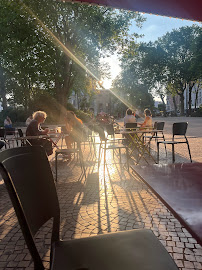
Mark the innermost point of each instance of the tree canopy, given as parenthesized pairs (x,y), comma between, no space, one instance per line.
(32,59)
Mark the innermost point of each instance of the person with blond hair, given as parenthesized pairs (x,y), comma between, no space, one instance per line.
(147,121)
(34,129)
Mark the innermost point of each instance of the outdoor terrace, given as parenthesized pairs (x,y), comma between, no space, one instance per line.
(102,203)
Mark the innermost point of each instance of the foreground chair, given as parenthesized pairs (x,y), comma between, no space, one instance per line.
(34,197)
(179,129)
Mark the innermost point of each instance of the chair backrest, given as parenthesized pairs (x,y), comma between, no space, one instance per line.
(2,133)
(102,134)
(20,132)
(160,125)
(180,128)
(30,184)
(155,125)
(110,129)
(131,125)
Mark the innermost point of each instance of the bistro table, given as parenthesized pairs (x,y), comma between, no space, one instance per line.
(53,137)
(136,142)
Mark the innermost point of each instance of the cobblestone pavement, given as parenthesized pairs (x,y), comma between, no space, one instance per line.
(107,201)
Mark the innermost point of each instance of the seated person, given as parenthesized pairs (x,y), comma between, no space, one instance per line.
(34,129)
(129,118)
(74,127)
(29,119)
(148,120)
(8,126)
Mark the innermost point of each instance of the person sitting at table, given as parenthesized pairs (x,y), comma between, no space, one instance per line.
(147,124)
(130,117)
(8,126)
(29,119)
(34,129)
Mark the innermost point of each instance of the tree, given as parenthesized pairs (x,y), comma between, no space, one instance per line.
(87,31)
(180,60)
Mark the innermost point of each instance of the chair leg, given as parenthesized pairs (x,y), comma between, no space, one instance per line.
(189,151)
(99,158)
(173,153)
(165,145)
(56,169)
(157,152)
(104,159)
(127,157)
(120,155)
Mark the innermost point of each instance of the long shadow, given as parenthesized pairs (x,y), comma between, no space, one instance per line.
(72,197)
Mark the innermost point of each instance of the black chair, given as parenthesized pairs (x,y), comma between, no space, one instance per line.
(131,126)
(111,132)
(34,197)
(158,135)
(21,135)
(110,144)
(179,129)
(3,136)
(68,152)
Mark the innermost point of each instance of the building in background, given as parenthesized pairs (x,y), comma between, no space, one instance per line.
(101,101)
(173,103)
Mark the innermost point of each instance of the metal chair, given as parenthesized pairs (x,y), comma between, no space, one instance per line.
(3,137)
(21,135)
(158,135)
(110,144)
(68,152)
(34,197)
(179,129)
(131,126)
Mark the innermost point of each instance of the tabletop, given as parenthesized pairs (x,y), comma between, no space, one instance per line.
(179,187)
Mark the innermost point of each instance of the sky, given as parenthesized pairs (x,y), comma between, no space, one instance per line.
(153,28)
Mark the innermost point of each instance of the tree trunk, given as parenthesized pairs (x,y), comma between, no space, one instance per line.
(196,97)
(181,104)
(190,99)
(164,105)
(175,105)
(3,89)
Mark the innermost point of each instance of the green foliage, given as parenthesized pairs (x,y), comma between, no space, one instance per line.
(33,58)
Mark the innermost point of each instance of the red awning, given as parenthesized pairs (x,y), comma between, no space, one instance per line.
(183,9)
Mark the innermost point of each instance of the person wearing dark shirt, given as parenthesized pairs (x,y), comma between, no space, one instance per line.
(34,129)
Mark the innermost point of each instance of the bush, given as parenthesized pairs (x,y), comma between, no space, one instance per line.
(197,113)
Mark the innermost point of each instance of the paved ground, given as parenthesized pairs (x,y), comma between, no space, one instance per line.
(105,202)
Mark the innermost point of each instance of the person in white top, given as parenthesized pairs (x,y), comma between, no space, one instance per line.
(129,118)
(29,119)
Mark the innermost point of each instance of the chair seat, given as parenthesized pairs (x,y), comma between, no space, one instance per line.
(153,137)
(113,145)
(171,142)
(128,250)
(66,151)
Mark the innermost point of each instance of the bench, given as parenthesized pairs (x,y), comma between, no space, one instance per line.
(179,187)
